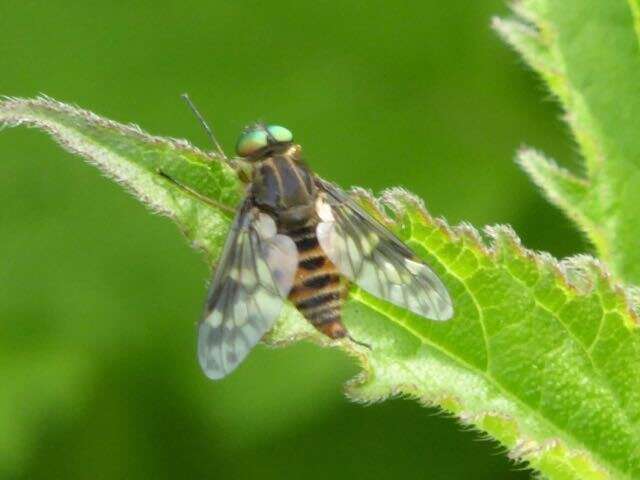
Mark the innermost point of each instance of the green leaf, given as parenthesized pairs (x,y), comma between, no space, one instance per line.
(566,190)
(588,53)
(133,158)
(542,355)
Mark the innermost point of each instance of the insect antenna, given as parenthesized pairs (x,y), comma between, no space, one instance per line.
(204,124)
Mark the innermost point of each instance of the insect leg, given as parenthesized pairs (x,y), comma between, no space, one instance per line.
(193,193)
(362,344)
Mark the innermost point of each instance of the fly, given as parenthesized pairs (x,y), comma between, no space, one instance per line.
(298,237)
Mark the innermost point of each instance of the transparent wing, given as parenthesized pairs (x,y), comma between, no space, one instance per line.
(370,255)
(253,278)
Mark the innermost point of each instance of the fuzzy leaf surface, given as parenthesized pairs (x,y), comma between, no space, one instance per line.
(588,54)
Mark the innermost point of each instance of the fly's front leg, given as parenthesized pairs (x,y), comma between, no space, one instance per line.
(197,195)
(243,169)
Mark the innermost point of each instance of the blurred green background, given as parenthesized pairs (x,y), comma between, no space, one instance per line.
(99,299)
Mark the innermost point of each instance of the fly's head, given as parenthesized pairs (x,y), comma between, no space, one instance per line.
(258,142)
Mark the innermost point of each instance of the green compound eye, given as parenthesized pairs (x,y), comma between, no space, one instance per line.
(255,138)
(281,134)
(251,141)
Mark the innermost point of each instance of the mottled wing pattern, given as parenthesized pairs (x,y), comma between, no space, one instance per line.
(253,278)
(370,255)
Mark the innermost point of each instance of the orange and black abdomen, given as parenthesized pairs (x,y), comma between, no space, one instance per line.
(318,290)
(284,186)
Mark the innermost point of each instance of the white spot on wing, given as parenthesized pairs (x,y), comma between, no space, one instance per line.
(352,249)
(369,244)
(240,314)
(323,210)
(265,226)
(282,257)
(215,319)
(240,346)
(392,273)
(414,267)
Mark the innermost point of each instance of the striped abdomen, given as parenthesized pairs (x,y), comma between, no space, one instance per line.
(318,290)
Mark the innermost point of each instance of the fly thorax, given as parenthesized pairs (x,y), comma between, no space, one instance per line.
(296,216)
(285,187)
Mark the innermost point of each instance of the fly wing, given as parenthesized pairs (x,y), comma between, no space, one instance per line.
(371,256)
(253,278)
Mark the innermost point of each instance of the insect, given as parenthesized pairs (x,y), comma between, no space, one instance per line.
(298,237)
